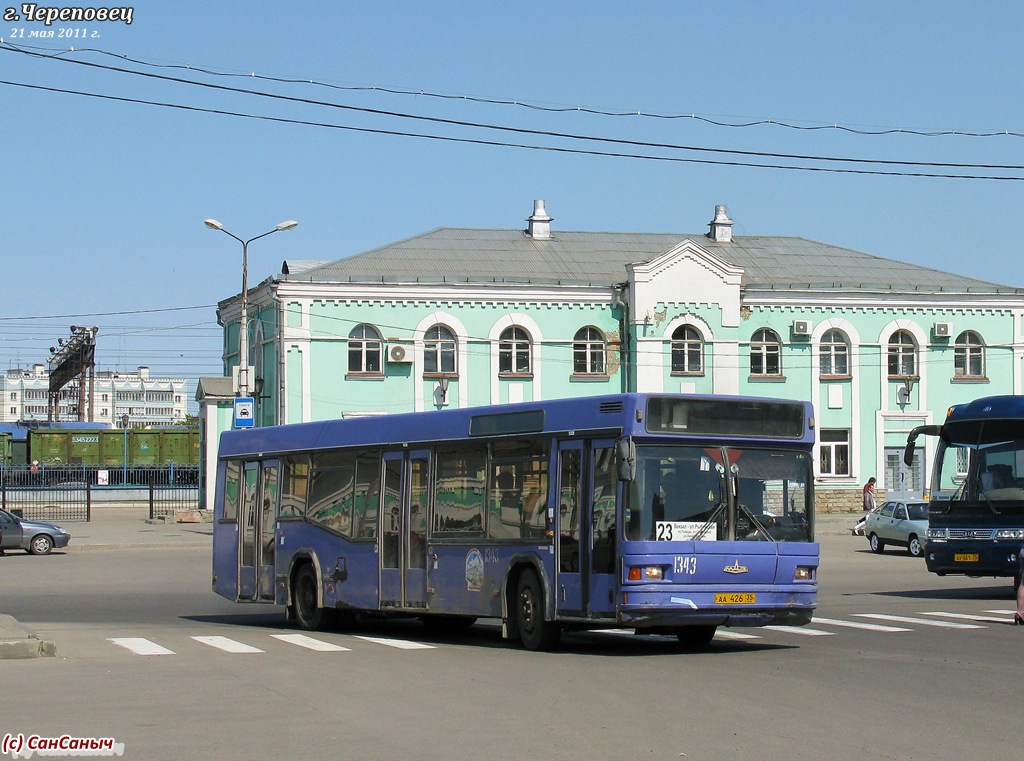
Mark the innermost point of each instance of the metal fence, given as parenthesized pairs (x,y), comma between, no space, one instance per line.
(70,492)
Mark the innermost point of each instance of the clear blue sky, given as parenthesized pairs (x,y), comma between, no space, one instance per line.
(103,201)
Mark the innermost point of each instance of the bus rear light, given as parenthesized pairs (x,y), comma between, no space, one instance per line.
(803,573)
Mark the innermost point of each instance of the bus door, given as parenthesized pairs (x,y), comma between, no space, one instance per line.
(258,537)
(585,524)
(403,530)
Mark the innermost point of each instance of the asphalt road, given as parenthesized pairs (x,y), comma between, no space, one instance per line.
(899,664)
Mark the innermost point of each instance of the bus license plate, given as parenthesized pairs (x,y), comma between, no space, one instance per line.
(735,598)
(965,557)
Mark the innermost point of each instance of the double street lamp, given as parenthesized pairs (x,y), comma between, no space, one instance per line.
(243,337)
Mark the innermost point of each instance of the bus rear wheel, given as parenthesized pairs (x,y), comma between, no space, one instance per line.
(695,636)
(305,596)
(535,632)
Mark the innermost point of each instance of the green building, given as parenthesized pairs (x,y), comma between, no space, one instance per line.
(465,317)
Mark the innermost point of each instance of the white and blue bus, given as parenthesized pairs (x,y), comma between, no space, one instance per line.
(667,514)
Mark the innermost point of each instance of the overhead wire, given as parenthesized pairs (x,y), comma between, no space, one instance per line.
(711,119)
(518,130)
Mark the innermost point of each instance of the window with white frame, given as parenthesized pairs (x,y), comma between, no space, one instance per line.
(439,349)
(364,349)
(902,355)
(834,354)
(834,452)
(514,351)
(588,350)
(765,353)
(687,351)
(969,356)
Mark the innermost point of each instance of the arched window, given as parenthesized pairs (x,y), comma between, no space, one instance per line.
(902,355)
(969,356)
(514,351)
(588,349)
(439,349)
(765,353)
(687,351)
(364,350)
(835,354)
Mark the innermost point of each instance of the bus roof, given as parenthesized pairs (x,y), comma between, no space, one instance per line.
(987,408)
(609,414)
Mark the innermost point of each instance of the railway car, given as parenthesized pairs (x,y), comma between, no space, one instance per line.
(110,446)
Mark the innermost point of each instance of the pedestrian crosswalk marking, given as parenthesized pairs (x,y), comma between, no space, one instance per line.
(310,644)
(401,644)
(968,617)
(227,645)
(143,646)
(806,631)
(860,625)
(922,621)
(140,646)
(734,635)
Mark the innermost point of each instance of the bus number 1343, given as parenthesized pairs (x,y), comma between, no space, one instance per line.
(685,564)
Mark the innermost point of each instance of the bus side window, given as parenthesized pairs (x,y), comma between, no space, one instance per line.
(603,524)
(232,490)
(390,515)
(367,496)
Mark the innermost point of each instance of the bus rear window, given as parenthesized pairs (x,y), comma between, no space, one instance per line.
(725,417)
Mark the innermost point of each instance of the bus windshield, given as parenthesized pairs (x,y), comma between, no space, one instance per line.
(983,478)
(685,493)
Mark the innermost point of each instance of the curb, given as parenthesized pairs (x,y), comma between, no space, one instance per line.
(17,641)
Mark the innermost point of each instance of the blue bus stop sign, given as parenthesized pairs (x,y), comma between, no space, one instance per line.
(245,412)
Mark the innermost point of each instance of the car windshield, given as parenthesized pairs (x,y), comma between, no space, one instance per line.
(918,511)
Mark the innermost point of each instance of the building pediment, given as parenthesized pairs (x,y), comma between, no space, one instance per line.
(685,274)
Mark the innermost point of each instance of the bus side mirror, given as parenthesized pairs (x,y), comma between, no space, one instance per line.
(625,459)
(921,430)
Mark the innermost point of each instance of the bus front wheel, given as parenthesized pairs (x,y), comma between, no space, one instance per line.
(535,632)
(305,594)
(692,637)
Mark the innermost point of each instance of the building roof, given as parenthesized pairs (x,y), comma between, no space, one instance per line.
(461,255)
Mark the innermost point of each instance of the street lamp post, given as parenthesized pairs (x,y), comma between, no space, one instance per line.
(243,337)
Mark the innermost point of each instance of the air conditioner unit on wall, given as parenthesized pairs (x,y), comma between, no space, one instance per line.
(399,352)
(801,327)
(942,329)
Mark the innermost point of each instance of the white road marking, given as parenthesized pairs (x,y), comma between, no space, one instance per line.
(401,644)
(310,644)
(800,630)
(140,646)
(228,645)
(922,621)
(968,617)
(859,625)
(734,635)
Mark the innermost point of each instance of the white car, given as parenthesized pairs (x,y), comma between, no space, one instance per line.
(902,522)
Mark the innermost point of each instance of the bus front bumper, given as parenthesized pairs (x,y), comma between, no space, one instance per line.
(655,609)
(973,558)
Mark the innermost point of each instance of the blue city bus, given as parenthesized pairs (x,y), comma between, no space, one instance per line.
(976,501)
(667,514)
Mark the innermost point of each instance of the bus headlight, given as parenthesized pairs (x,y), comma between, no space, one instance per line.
(646,573)
(1010,533)
(936,535)
(804,573)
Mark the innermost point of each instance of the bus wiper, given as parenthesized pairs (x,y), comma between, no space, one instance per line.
(757,524)
(712,519)
(984,495)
